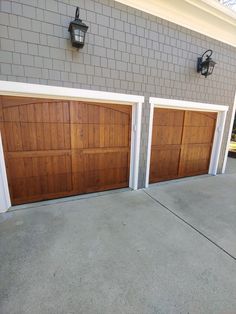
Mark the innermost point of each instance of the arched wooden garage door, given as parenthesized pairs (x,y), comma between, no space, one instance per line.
(181,143)
(60,148)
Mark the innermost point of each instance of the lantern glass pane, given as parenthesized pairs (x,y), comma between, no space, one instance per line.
(204,70)
(79,35)
(211,67)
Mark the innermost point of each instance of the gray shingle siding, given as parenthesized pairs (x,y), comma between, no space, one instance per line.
(126,51)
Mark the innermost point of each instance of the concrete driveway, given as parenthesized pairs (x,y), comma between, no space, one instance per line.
(124,252)
(206,203)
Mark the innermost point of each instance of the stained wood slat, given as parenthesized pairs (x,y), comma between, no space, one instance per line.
(181,143)
(57,148)
(198,136)
(97,142)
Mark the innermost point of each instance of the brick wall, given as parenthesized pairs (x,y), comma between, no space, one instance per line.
(126,51)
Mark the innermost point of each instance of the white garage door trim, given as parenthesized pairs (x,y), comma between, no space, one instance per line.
(188,105)
(229,135)
(5,201)
(55,92)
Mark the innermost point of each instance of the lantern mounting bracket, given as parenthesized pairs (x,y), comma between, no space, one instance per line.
(77,14)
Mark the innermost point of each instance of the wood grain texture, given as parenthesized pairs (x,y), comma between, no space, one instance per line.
(56,148)
(181,143)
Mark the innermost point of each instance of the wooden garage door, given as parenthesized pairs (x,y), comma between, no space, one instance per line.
(181,143)
(59,148)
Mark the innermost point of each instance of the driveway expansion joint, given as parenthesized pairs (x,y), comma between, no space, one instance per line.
(190,225)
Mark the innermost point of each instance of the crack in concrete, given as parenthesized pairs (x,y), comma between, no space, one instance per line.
(190,225)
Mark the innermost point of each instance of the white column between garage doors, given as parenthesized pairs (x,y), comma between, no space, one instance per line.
(54,92)
(188,105)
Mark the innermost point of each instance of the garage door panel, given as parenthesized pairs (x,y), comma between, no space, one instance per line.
(194,134)
(117,135)
(125,137)
(99,161)
(40,188)
(168,117)
(194,167)
(13,139)
(79,183)
(1,111)
(60,148)
(57,134)
(105,180)
(100,180)
(2,129)
(27,127)
(94,113)
(39,166)
(29,112)
(196,151)
(95,136)
(164,163)
(98,136)
(105,136)
(166,135)
(114,115)
(18,189)
(78,112)
(38,112)
(39,176)
(36,136)
(65,136)
(105,169)
(99,114)
(58,112)
(197,118)
(79,136)
(11,114)
(118,108)
(194,159)
(198,135)
(110,136)
(40,134)
(16,168)
(125,117)
(28,134)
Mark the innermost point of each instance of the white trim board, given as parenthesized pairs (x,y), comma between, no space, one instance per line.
(5,201)
(54,92)
(188,105)
(229,135)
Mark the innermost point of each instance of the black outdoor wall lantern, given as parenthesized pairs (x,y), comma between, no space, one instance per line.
(205,64)
(77,31)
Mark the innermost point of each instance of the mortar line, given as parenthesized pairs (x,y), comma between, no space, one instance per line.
(191,226)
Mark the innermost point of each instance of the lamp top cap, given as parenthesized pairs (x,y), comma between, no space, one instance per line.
(77,21)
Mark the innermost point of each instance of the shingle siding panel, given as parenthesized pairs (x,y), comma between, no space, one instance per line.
(5,6)
(29,11)
(7,44)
